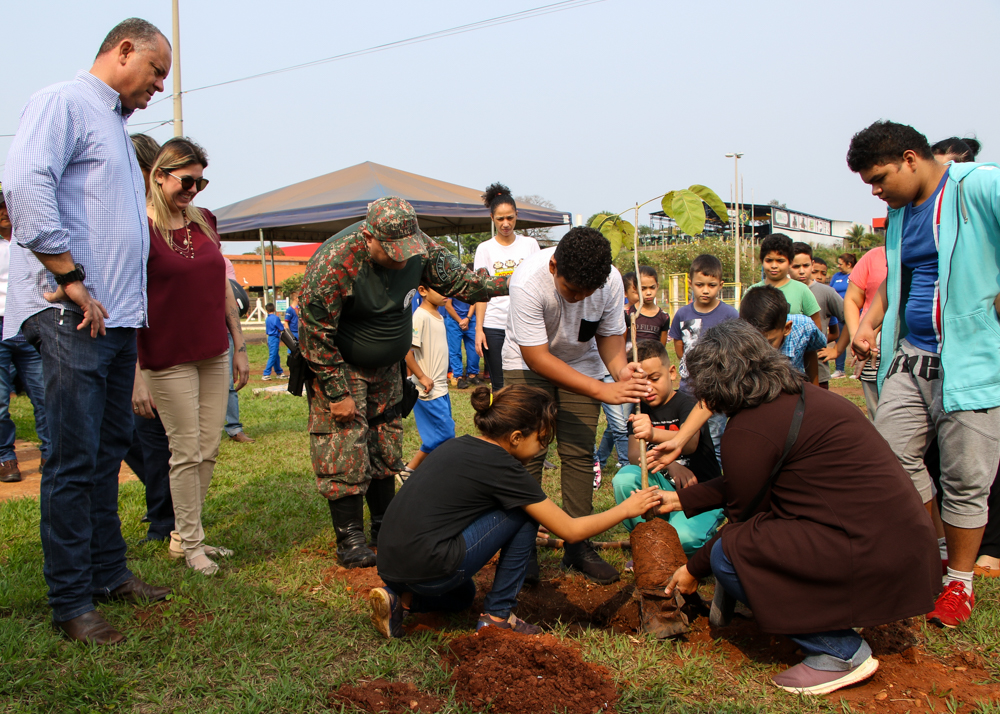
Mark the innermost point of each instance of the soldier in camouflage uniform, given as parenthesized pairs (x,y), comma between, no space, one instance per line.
(356,326)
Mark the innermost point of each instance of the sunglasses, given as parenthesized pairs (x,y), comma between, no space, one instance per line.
(189,182)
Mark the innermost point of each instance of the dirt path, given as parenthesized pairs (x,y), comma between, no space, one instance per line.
(28,458)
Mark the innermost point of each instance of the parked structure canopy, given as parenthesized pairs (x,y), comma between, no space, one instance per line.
(314,210)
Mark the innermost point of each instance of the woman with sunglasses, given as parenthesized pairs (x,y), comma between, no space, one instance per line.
(184,353)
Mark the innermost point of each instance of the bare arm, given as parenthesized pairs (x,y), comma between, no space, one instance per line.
(574,530)
(241,363)
(679,348)
(864,340)
(450,309)
(812,366)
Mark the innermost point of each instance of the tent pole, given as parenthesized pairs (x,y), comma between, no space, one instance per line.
(274,279)
(263,263)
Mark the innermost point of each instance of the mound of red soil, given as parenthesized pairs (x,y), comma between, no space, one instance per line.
(521,674)
(382,696)
(657,553)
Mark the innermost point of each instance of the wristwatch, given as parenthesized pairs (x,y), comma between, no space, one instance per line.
(77,274)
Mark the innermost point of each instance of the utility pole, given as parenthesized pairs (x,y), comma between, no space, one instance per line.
(178,113)
(737,228)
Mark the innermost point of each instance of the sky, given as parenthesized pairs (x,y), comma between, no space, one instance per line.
(595,108)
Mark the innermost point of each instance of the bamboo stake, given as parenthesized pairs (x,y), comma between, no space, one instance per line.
(644,469)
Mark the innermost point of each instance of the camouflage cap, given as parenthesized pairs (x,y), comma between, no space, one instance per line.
(393,222)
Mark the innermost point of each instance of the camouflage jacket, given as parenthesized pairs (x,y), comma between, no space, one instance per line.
(329,291)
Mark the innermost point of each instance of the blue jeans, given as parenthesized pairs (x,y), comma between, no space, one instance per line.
(29,366)
(273,356)
(833,651)
(717,427)
(149,458)
(840,361)
(616,435)
(513,534)
(88,390)
(456,336)
(233,425)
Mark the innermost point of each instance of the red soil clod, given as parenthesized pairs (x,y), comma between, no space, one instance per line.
(383,696)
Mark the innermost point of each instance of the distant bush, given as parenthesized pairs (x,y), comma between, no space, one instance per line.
(677,259)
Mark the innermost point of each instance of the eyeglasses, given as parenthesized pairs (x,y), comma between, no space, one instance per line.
(189,182)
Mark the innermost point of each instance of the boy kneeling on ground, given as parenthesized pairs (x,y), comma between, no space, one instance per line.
(660,416)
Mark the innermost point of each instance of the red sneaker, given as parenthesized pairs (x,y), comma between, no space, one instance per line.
(953,606)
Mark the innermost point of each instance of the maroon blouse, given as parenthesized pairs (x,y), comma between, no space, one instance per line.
(187,301)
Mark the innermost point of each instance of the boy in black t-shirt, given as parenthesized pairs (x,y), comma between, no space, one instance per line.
(658,416)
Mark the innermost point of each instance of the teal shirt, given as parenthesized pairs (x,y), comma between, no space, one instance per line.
(801,300)
(968,235)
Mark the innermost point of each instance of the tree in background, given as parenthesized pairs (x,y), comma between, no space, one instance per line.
(859,238)
(536,233)
(267,251)
(774,202)
(291,284)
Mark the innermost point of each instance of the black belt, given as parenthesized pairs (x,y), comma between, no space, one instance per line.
(924,366)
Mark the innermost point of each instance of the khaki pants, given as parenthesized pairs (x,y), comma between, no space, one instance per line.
(191,400)
(576,431)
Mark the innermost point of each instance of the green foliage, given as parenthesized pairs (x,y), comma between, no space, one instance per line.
(291,284)
(267,250)
(618,231)
(687,209)
(677,259)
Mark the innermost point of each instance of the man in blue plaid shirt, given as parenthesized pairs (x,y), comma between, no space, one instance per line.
(77,203)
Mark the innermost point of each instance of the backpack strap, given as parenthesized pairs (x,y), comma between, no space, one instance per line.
(793,434)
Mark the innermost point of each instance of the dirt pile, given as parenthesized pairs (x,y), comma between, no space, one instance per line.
(383,696)
(520,674)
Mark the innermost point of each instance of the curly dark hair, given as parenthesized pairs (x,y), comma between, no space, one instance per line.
(964,149)
(583,258)
(498,195)
(733,367)
(776,243)
(884,142)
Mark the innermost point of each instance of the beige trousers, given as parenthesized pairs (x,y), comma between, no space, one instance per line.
(191,399)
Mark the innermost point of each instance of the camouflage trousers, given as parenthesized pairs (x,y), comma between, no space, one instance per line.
(346,456)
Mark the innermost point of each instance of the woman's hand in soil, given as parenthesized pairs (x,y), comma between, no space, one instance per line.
(641,501)
(669,502)
(683,581)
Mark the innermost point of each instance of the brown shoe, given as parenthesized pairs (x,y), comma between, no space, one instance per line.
(241,438)
(134,590)
(9,472)
(92,628)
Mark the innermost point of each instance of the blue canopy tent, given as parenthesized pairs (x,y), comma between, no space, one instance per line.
(312,211)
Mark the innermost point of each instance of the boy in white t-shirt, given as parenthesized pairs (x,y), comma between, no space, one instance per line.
(428,361)
(565,330)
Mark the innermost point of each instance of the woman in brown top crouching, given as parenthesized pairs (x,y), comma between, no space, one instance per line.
(837,539)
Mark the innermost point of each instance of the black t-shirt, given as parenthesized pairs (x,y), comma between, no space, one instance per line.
(670,416)
(461,480)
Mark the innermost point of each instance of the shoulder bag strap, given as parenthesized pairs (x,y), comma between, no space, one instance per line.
(793,434)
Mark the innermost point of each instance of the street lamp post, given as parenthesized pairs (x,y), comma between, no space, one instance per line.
(737,228)
(178,113)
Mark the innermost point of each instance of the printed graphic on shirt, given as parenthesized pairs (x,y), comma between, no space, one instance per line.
(506,267)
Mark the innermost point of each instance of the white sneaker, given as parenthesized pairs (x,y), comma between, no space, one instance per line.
(839,374)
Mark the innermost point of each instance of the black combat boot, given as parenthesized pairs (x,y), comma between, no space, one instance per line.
(583,557)
(348,515)
(380,494)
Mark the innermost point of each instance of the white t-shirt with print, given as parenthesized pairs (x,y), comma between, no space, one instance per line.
(539,315)
(502,260)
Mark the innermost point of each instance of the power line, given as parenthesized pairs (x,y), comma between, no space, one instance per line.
(458,30)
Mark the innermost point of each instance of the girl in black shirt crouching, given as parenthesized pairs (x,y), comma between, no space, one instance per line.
(470,498)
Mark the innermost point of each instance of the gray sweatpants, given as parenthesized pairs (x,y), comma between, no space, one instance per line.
(911,412)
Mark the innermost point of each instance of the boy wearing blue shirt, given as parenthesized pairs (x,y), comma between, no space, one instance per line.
(940,340)
(272,325)
(795,336)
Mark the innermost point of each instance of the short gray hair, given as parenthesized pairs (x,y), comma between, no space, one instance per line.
(142,33)
(733,367)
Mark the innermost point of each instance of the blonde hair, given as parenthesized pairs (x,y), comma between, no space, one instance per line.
(176,154)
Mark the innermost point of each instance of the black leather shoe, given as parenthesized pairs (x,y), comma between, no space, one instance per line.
(92,628)
(348,516)
(583,558)
(134,590)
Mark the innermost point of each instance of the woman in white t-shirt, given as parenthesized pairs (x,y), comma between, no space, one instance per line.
(499,255)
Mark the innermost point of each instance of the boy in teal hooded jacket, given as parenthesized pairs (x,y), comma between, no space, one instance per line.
(940,339)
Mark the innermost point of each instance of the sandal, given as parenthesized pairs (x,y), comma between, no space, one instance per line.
(511,623)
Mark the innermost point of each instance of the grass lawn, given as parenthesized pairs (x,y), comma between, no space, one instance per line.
(274,632)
